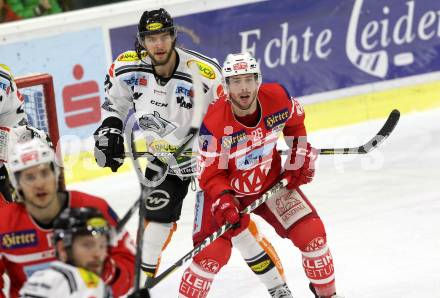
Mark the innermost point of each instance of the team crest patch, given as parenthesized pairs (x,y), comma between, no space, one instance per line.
(155,123)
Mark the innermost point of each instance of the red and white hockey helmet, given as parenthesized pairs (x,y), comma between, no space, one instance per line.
(239,64)
(29,154)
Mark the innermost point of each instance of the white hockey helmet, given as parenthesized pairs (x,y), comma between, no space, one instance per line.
(239,64)
(29,154)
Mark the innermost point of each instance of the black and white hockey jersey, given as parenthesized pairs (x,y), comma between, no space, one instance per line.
(11,104)
(63,280)
(163,109)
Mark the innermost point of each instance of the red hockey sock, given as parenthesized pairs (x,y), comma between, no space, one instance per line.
(195,282)
(309,236)
(318,266)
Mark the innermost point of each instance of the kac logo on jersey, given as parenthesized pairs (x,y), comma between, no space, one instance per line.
(19,239)
(277,118)
(251,181)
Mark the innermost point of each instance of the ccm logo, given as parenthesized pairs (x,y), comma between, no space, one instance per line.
(158,200)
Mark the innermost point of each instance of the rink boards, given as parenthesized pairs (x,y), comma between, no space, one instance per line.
(355,62)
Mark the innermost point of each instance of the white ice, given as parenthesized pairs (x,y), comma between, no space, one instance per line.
(381,211)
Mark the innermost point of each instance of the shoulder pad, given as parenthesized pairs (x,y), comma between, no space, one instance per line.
(209,68)
(6,70)
(5,76)
(130,56)
(204,69)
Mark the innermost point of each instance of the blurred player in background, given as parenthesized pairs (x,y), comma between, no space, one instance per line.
(27,225)
(13,128)
(155,81)
(12,114)
(82,237)
(240,161)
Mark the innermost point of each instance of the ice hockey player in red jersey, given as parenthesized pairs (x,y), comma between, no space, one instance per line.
(26,233)
(239,162)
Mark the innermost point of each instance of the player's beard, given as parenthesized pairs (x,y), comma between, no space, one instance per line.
(164,60)
(244,107)
(95,266)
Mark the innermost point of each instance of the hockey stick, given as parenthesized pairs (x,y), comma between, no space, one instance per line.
(384,132)
(146,190)
(208,240)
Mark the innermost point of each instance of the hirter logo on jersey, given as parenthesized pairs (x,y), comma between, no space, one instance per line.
(276,119)
(19,239)
(234,139)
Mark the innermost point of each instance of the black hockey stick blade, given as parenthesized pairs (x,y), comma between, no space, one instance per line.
(151,282)
(383,133)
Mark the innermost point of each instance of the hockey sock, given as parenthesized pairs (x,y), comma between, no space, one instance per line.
(309,236)
(156,238)
(260,256)
(195,282)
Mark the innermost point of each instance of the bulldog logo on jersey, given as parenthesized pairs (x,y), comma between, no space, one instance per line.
(153,122)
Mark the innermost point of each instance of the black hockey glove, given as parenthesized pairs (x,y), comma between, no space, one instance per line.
(109,144)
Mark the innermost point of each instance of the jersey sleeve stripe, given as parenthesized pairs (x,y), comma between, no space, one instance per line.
(6,77)
(70,278)
(27,295)
(139,68)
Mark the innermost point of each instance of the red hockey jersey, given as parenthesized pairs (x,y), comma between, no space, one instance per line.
(25,247)
(245,159)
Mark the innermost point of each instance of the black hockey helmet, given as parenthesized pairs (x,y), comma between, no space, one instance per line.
(154,22)
(79,221)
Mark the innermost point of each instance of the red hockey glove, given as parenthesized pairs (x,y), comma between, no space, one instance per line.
(300,167)
(226,209)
